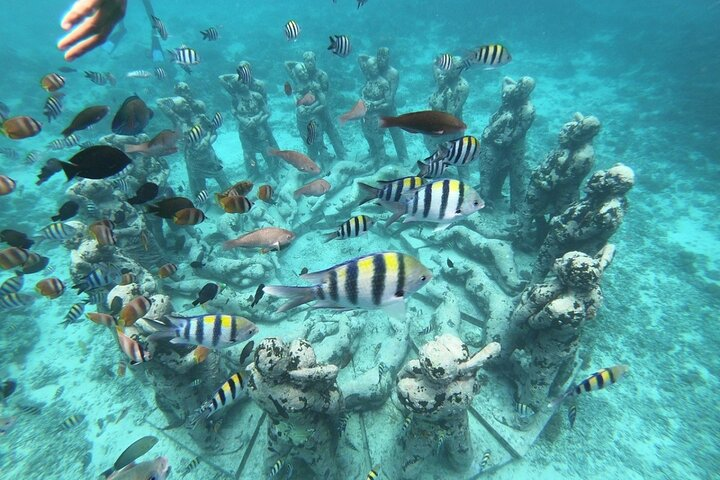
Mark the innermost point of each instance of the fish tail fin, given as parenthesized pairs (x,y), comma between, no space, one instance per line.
(163,330)
(107,472)
(424,168)
(329,237)
(386,122)
(297,295)
(398,210)
(70,170)
(198,416)
(205,35)
(332,43)
(369,192)
(555,403)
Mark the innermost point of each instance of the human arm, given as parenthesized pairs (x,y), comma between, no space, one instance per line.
(93,22)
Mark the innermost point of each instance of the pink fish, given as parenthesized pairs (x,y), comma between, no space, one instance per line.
(298,160)
(357,112)
(269,237)
(316,188)
(164,143)
(307,99)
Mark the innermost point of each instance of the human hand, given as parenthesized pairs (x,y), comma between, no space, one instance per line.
(98,18)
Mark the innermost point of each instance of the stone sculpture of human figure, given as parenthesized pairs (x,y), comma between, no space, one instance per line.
(450,97)
(588,224)
(437,390)
(321,79)
(389,73)
(376,95)
(502,151)
(201,160)
(250,109)
(547,325)
(300,396)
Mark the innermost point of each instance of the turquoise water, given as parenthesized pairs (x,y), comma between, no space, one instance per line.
(648,74)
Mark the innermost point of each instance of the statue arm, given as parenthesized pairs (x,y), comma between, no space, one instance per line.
(289,68)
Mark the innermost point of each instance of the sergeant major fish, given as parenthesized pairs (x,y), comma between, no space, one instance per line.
(234,388)
(213,331)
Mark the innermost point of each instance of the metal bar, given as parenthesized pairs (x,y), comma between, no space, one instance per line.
(514,453)
(250,446)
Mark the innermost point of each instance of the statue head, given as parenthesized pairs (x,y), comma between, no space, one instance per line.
(300,72)
(617,180)
(371,68)
(441,357)
(310,61)
(182,89)
(383,58)
(271,357)
(578,271)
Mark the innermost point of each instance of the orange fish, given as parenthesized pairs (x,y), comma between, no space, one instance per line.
(188,216)
(239,189)
(265,193)
(164,143)
(316,188)
(12,257)
(7,185)
(134,310)
(52,82)
(307,99)
(102,234)
(18,128)
(101,319)
(235,204)
(357,112)
(288,89)
(298,160)
(167,270)
(50,287)
(268,237)
(134,351)
(200,353)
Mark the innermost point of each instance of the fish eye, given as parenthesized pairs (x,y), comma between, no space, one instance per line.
(458,211)
(476,203)
(423,278)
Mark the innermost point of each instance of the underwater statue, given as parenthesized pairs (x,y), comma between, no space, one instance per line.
(201,161)
(250,108)
(547,325)
(556,182)
(450,97)
(588,224)
(302,400)
(437,390)
(310,79)
(502,152)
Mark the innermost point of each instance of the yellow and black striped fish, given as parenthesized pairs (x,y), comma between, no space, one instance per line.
(442,202)
(373,473)
(244,73)
(231,390)
(380,280)
(354,227)
(340,45)
(195,134)
(391,191)
(572,414)
(491,56)
(210,34)
(485,460)
(212,331)
(53,107)
(13,301)
(444,61)
(292,30)
(595,381)
(12,284)
(460,151)
(72,421)
(431,169)
(406,424)
(191,466)
(58,231)
(73,314)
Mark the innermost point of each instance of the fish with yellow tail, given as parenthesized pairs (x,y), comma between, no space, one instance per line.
(235,387)
(212,331)
(595,381)
(381,280)
(354,227)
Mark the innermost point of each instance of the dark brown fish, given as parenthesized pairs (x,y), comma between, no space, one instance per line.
(96,162)
(427,122)
(15,238)
(51,167)
(89,116)
(132,117)
(164,143)
(170,206)
(288,89)
(35,263)
(144,193)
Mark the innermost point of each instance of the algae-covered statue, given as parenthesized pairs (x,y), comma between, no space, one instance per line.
(555,184)
(302,400)
(502,152)
(249,107)
(548,322)
(310,79)
(588,224)
(450,97)
(437,390)
(200,158)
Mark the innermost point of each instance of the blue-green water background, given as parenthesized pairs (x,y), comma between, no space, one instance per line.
(648,72)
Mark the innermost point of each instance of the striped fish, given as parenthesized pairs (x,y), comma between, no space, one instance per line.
(244,73)
(31,157)
(380,280)
(160,73)
(340,45)
(431,169)
(73,315)
(277,467)
(217,120)
(159,26)
(595,381)
(12,257)
(212,331)
(195,134)
(185,56)
(12,285)
(134,310)
(292,30)
(202,197)
(572,414)
(354,227)
(373,473)
(311,132)
(58,231)
(134,350)
(442,202)
(210,34)
(98,78)
(13,301)
(407,422)
(71,141)
(52,82)
(57,144)
(191,466)
(523,411)
(391,191)
(121,184)
(231,390)
(104,319)
(53,107)
(460,151)
(444,62)
(72,421)
(99,277)
(491,56)
(485,460)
